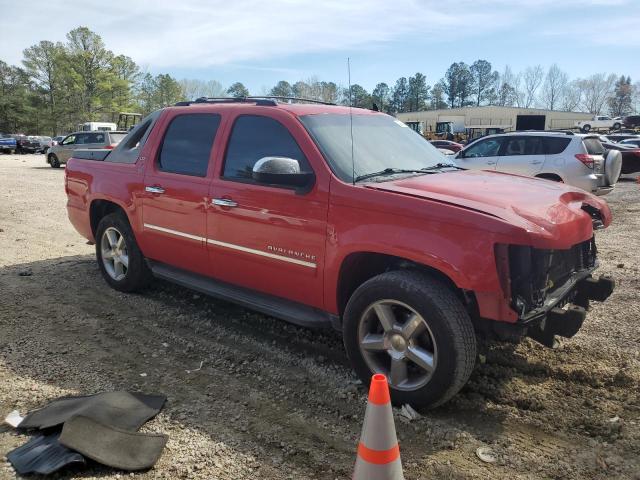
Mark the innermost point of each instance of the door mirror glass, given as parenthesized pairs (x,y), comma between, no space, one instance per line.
(281,171)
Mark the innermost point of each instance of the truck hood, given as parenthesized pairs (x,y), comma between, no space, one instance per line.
(546,210)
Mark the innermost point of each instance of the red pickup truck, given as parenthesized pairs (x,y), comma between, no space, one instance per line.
(322,215)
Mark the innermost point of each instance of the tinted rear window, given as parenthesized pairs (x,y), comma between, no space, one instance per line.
(593,146)
(555,145)
(187,144)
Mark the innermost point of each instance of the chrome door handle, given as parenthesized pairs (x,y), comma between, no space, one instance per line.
(224,202)
(154,189)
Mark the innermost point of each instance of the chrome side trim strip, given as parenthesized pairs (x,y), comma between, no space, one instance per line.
(262,254)
(174,232)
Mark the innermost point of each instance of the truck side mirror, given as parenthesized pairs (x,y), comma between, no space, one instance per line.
(282,171)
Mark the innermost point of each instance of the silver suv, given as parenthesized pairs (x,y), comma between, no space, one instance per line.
(578,160)
(60,153)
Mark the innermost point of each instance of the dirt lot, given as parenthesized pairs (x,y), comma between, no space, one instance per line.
(275,401)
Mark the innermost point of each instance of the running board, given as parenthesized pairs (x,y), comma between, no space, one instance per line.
(292,312)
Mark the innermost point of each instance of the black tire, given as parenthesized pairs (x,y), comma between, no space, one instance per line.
(138,274)
(586,128)
(616,126)
(446,318)
(53,160)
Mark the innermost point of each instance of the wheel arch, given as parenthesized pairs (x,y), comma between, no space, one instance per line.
(100,208)
(358,267)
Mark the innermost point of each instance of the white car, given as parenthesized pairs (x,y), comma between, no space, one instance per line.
(578,160)
(599,122)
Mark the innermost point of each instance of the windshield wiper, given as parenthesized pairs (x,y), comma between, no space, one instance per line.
(442,165)
(388,171)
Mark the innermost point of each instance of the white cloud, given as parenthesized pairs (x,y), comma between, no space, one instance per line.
(201,33)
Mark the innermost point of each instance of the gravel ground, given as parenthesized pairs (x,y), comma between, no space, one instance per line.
(276,401)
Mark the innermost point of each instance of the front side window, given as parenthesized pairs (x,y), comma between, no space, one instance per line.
(187,144)
(255,137)
(484,148)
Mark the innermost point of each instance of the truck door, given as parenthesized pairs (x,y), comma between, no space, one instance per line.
(265,237)
(523,155)
(176,186)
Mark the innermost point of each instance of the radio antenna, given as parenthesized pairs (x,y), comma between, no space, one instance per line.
(353,164)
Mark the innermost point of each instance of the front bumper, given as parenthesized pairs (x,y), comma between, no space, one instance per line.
(564,311)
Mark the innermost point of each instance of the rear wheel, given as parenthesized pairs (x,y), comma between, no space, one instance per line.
(586,128)
(616,126)
(120,260)
(413,329)
(53,161)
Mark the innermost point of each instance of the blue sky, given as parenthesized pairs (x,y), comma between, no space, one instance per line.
(259,42)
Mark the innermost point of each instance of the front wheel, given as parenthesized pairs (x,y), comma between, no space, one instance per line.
(586,128)
(412,328)
(53,161)
(119,258)
(616,126)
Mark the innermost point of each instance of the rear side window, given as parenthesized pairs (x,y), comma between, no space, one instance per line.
(553,145)
(593,146)
(255,137)
(94,138)
(187,144)
(82,139)
(523,146)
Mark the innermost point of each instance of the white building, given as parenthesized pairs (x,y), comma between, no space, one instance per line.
(492,117)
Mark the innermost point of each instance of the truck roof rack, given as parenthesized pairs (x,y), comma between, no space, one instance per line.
(268,100)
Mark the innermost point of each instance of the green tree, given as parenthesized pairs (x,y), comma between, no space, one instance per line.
(89,61)
(437,97)
(282,89)
(359,97)
(458,84)
(621,102)
(418,93)
(381,96)
(400,95)
(14,100)
(238,90)
(484,80)
(43,63)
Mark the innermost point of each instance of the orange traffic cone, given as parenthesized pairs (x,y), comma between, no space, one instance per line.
(378,451)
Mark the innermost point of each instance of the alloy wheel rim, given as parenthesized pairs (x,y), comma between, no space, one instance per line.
(395,340)
(115,257)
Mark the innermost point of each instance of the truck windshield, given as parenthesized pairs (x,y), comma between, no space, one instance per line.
(380,143)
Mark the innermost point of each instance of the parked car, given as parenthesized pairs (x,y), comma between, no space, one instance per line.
(447,145)
(630,155)
(7,143)
(25,144)
(272,206)
(56,140)
(45,143)
(573,159)
(631,141)
(599,122)
(446,152)
(59,154)
(631,121)
(618,137)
